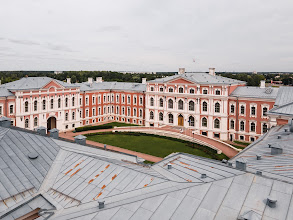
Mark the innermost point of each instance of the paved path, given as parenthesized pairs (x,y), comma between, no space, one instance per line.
(230,152)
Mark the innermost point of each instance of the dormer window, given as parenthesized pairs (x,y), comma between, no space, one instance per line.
(181,90)
(161,89)
(218,92)
(191,91)
(171,90)
(152,89)
(204,91)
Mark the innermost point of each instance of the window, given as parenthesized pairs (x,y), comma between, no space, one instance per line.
(204,91)
(252,126)
(134,112)
(170,118)
(180,105)
(161,89)
(80,102)
(232,124)
(66,101)
(11,109)
(252,110)
(117,110)
(44,104)
(134,100)
(171,90)
(66,116)
(191,121)
(35,121)
(35,105)
(73,101)
(217,123)
(204,122)
(241,137)
(123,98)
(217,107)
(73,115)
(87,113)
(152,89)
(99,111)
(161,116)
(26,123)
(242,126)
(191,91)
(152,101)
(117,98)
(170,103)
(140,112)
(151,115)
(264,128)
(140,100)
(52,103)
(232,108)
(1,110)
(123,111)
(204,107)
(128,99)
(181,90)
(128,111)
(242,110)
(86,101)
(26,106)
(161,102)
(59,103)
(252,139)
(218,92)
(191,105)
(264,111)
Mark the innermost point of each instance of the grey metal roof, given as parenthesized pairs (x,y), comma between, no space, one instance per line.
(284,102)
(255,92)
(200,78)
(124,86)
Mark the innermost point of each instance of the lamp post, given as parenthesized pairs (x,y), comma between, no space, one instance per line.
(193,139)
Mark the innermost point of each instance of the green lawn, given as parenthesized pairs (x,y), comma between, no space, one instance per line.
(120,124)
(153,145)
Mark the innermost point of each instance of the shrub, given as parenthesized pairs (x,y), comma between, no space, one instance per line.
(98,127)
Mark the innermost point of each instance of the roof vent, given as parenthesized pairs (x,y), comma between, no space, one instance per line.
(250,215)
(224,161)
(230,164)
(286,129)
(268,90)
(259,173)
(80,139)
(42,130)
(54,133)
(258,157)
(169,166)
(101,204)
(5,122)
(241,164)
(269,145)
(203,175)
(272,202)
(276,150)
(32,155)
(279,136)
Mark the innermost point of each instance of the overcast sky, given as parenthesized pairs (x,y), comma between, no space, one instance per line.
(146,35)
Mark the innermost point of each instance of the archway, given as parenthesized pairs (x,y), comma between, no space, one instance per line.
(180,120)
(51,123)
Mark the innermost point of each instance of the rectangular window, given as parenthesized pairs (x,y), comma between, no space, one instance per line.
(134,100)
(94,112)
(0,110)
(94,99)
(140,100)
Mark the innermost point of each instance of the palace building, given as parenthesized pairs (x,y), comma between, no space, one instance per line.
(210,105)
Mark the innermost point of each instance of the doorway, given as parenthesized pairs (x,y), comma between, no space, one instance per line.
(51,123)
(180,120)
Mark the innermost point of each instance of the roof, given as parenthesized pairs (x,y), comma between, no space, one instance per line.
(200,78)
(124,86)
(255,92)
(284,102)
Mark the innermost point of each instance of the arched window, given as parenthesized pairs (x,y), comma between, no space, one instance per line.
(151,115)
(44,104)
(134,112)
(26,106)
(242,110)
(59,103)
(264,111)
(242,126)
(161,89)
(252,126)
(217,123)
(152,101)
(218,92)
(11,109)
(26,123)
(171,90)
(217,107)
(264,128)
(35,121)
(232,108)
(73,115)
(170,116)
(170,103)
(73,101)
(180,104)
(181,90)
(66,116)
(191,91)
(191,121)
(232,124)
(140,113)
(204,122)
(52,103)
(161,102)
(66,102)
(204,107)
(35,105)
(191,105)
(161,116)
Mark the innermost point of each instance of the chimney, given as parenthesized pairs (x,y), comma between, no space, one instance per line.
(42,130)
(169,166)
(90,80)
(181,71)
(143,80)
(241,164)
(5,122)
(272,202)
(68,80)
(99,79)
(80,139)
(276,150)
(54,133)
(212,71)
(262,84)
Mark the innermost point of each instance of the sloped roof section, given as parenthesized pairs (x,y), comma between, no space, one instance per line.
(255,92)
(124,86)
(284,102)
(200,78)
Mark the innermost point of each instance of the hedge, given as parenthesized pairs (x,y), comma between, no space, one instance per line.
(98,127)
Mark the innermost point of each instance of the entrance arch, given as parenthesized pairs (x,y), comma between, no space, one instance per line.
(51,123)
(180,120)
